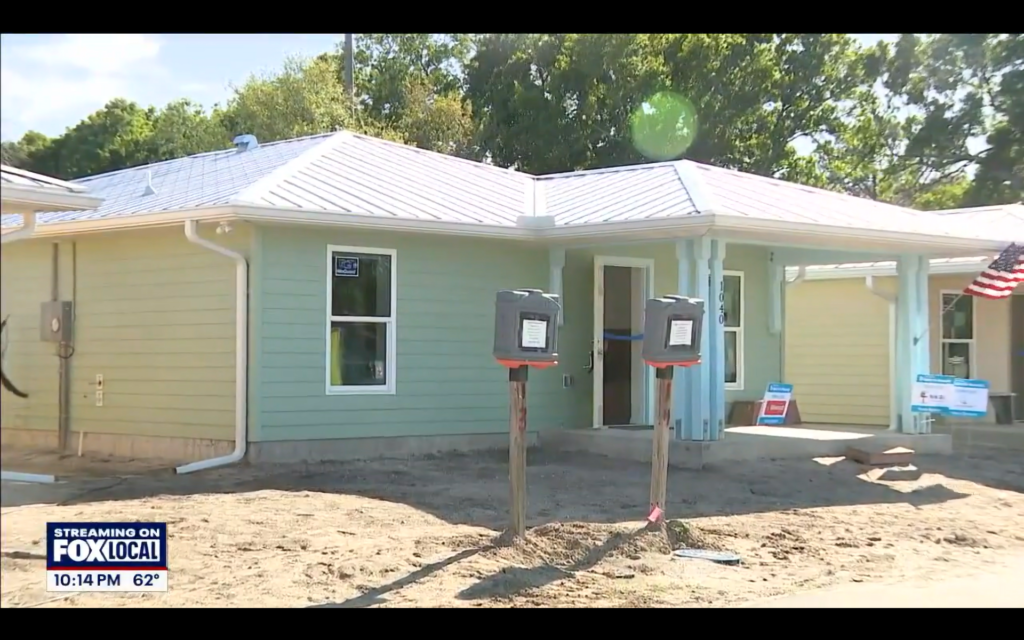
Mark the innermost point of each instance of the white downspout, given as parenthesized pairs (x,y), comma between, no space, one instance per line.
(869,282)
(28,227)
(241,353)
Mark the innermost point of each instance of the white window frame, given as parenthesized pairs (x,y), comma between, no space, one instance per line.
(738,330)
(392,340)
(972,349)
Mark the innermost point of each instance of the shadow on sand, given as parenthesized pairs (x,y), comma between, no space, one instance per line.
(473,488)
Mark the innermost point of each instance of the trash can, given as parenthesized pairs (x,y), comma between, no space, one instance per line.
(1002,405)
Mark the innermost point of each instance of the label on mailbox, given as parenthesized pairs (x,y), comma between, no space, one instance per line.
(680,333)
(535,334)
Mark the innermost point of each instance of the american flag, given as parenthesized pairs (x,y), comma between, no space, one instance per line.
(1001,277)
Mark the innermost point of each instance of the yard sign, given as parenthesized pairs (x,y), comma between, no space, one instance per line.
(950,396)
(775,404)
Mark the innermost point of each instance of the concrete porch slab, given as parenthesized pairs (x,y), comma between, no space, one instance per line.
(745,443)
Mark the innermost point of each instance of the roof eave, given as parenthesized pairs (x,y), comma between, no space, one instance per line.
(125,223)
(883,241)
(828,272)
(17,199)
(736,228)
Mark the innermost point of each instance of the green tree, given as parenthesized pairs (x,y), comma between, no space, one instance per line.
(183,128)
(114,137)
(561,102)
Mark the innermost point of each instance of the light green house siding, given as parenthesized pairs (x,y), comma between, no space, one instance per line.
(447,382)
(155,315)
(446,379)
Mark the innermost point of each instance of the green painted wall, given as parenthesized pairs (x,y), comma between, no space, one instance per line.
(762,351)
(155,315)
(447,381)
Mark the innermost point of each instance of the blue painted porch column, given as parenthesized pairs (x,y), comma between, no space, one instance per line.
(912,357)
(714,324)
(700,387)
(922,348)
(683,376)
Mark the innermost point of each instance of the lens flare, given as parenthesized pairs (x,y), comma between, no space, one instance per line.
(664,126)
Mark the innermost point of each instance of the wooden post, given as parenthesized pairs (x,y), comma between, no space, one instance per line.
(659,458)
(517,377)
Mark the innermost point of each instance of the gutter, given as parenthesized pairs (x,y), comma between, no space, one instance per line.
(869,282)
(241,353)
(801,274)
(27,228)
(24,231)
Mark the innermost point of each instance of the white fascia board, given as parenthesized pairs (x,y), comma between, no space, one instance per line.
(888,268)
(127,222)
(728,227)
(891,241)
(17,198)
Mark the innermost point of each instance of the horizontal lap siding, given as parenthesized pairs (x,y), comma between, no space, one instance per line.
(447,380)
(155,315)
(837,352)
(29,363)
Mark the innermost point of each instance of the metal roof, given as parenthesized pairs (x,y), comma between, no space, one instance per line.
(638,192)
(355,174)
(22,178)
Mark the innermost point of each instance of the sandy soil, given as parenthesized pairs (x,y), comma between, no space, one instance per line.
(422,532)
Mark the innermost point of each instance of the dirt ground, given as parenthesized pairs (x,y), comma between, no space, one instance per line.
(421,532)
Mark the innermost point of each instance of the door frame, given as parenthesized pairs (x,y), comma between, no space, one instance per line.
(597,342)
(1017,353)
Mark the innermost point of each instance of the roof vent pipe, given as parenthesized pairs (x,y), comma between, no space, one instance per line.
(149,191)
(245,142)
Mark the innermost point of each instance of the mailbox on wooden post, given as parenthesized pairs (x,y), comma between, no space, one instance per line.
(673,326)
(525,335)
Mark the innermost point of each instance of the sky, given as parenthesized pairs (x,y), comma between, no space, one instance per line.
(50,82)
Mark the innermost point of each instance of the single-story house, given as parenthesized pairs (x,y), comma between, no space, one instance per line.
(841,362)
(333,295)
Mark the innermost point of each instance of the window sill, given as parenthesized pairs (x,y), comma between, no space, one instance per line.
(733,387)
(360,391)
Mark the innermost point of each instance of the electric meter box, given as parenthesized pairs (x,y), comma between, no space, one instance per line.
(56,321)
(673,326)
(526,327)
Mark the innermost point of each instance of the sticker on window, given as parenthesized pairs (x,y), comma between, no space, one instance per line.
(535,334)
(680,333)
(346,267)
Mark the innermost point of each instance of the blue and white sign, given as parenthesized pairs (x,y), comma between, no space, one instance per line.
(106,556)
(346,267)
(931,394)
(775,404)
(970,398)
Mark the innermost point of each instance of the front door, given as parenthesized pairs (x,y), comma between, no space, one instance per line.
(621,385)
(1017,352)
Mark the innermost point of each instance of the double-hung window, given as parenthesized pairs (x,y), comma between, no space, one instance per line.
(361,320)
(957,343)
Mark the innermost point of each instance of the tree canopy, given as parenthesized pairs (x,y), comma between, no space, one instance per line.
(931,121)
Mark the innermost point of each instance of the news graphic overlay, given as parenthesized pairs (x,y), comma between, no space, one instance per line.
(106,556)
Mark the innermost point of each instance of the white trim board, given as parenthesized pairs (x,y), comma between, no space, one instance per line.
(600,262)
(942,266)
